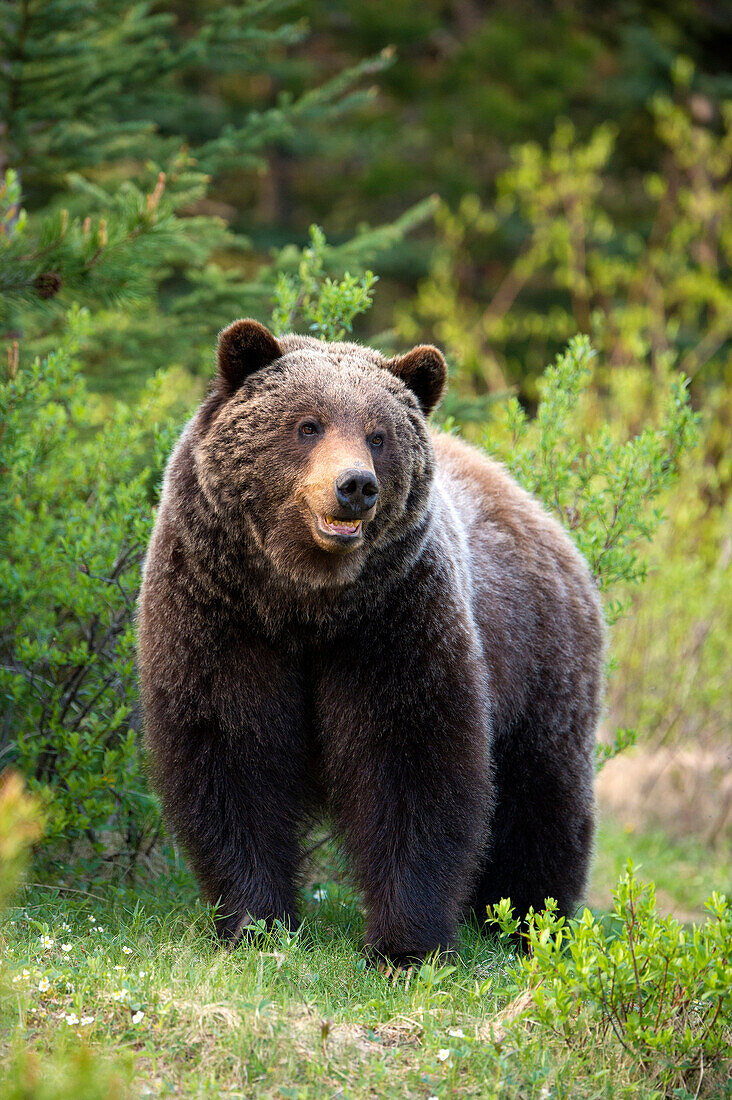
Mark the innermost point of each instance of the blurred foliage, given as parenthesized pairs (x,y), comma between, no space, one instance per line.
(654,297)
(110,84)
(20,827)
(470,80)
(673,646)
(69,1074)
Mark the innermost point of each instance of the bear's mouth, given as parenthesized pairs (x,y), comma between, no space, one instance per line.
(341,528)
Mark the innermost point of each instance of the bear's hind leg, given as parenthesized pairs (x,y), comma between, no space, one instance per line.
(542,826)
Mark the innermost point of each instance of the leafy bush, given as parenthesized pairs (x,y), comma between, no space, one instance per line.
(603,484)
(75,517)
(70,1074)
(662,991)
(308,298)
(599,483)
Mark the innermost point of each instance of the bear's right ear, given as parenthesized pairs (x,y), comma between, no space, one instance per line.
(244,347)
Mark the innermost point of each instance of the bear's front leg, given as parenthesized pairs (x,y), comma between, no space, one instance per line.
(406,749)
(228,751)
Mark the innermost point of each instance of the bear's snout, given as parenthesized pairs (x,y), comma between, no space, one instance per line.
(356,491)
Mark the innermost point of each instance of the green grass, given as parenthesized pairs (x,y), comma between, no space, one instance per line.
(126,994)
(685,871)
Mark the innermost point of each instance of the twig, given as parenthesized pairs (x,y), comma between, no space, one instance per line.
(619,1037)
(701,1074)
(63,890)
(631,944)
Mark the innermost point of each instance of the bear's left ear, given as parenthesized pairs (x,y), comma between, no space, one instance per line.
(424,370)
(244,347)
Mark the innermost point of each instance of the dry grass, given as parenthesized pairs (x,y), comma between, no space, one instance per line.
(684,791)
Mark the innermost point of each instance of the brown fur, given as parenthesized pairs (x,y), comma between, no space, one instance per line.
(434,685)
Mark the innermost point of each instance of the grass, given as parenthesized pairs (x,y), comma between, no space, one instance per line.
(125,994)
(685,871)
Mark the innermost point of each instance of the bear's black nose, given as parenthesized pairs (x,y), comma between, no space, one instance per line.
(356,490)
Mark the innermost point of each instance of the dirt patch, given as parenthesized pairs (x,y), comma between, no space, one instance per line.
(685,792)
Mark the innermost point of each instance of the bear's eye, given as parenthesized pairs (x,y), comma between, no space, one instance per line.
(377,440)
(309,428)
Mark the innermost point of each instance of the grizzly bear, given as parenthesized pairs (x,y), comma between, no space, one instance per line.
(345,613)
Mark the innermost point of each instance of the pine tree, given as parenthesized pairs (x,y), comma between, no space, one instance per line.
(108,146)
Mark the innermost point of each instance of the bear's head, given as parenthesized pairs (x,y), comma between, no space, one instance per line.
(318,452)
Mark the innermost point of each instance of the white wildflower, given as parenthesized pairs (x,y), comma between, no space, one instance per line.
(92,919)
(66,927)
(120,995)
(44,985)
(66,947)
(456,1033)
(46,942)
(71,1019)
(443,1054)
(119,969)
(86,1020)
(138,1017)
(126,950)
(142,973)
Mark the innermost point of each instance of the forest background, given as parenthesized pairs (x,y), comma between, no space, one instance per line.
(514,174)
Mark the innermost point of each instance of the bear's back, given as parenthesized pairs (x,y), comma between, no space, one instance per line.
(534,602)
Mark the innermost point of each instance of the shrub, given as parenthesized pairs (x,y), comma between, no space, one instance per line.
(75,516)
(604,485)
(660,990)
